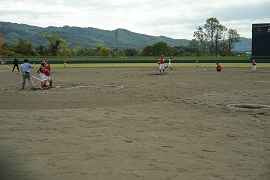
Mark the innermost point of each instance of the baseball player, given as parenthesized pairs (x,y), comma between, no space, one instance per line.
(169,63)
(44,75)
(218,68)
(161,65)
(254,64)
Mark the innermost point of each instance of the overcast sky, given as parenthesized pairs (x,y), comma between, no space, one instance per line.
(176,19)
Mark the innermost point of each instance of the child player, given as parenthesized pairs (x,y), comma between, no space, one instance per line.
(197,63)
(254,64)
(45,75)
(218,68)
(169,63)
(161,65)
(48,66)
(65,63)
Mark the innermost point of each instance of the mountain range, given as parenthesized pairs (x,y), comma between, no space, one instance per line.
(92,37)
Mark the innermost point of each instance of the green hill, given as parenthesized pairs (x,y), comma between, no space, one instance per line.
(92,37)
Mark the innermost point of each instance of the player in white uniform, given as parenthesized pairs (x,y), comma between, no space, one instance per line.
(169,63)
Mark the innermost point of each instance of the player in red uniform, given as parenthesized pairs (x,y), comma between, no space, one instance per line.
(161,65)
(48,66)
(65,63)
(197,63)
(254,64)
(218,68)
(45,75)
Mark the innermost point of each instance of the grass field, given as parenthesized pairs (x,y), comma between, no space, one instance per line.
(147,65)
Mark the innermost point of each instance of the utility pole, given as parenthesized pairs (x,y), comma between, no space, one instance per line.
(116,42)
(1,46)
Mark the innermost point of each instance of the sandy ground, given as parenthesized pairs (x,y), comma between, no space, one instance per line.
(130,123)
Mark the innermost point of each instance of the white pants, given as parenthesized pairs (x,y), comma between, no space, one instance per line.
(44,77)
(254,68)
(161,66)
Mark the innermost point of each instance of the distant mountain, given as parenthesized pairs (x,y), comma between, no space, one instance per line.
(92,37)
(244,46)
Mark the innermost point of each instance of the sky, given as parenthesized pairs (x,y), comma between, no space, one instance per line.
(177,19)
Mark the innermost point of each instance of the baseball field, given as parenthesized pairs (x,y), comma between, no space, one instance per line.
(131,123)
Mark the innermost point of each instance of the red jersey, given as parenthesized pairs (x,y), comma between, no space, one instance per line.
(219,66)
(46,71)
(254,63)
(47,64)
(161,61)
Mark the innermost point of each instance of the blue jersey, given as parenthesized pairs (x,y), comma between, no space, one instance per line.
(25,68)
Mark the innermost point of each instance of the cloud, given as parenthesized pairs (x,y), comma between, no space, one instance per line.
(171,18)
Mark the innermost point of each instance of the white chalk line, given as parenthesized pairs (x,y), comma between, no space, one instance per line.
(12,68)
(56,86)
(75,87)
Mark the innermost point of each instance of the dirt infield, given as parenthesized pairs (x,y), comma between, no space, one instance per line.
(130,123)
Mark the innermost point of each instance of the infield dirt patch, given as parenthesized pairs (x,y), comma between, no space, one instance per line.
(130,123)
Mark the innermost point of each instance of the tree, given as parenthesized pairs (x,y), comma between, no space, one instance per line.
(213,32)
(131,52)
(233,38)
(120,52)
(181,51)
(41,50)
(24,48)
(148,51)
(80,51)
(56,44)
(84,51)
(103,51)
(8,49)
(199,43)
(157,49)
(210,38)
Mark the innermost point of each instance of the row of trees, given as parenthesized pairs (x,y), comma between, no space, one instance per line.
(211,39)
(58,47)
(214,39)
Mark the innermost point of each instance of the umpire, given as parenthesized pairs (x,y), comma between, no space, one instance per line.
(25,69)
(16,64)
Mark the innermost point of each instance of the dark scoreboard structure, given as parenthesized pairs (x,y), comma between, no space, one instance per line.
(261,40)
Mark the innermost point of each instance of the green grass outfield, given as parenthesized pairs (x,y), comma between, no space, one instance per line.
(148,65)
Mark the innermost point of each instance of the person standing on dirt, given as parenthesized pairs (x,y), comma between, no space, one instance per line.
(16,64)
(254,64)
(44,75)
(169,63)
(65,63)
(161,65)
(25,69)
(197,63)
(218,68)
